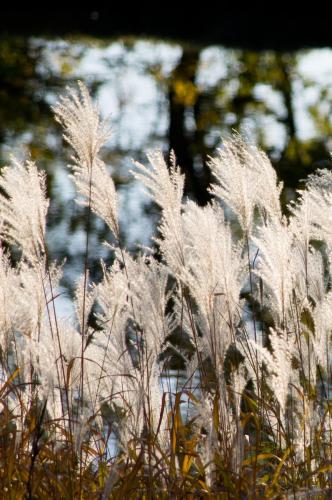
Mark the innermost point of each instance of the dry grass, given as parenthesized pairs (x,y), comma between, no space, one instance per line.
(247,314)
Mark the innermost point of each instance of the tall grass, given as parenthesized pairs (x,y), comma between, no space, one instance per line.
(239,297)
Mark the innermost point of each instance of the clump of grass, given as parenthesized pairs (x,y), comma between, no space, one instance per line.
(247,314)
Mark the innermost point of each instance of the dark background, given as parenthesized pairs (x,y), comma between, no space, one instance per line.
(271,25)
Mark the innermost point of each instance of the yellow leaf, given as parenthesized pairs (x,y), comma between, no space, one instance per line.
(187,461)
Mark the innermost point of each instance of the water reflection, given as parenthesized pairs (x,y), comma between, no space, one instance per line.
(160,95)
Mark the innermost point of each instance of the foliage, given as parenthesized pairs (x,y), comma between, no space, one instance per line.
(259,422)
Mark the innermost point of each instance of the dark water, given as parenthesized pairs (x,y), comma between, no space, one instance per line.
(159,94)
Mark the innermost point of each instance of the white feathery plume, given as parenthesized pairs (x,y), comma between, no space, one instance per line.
(310,268)
(87,133)
(300,226)
(118,382)
(23,208)
(44,355)
(165,186)
(322,340)
(135,290)
(314,277)
(245,180)
(213,275)
(114,361)
(278,364)
(112,297)
(306,352)
(269,189)
(276,266)
(83,128)
(148,298)
(9,283)
(281,369)
(319,192)
(34,297)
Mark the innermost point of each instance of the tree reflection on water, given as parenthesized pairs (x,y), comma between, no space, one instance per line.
(164,95)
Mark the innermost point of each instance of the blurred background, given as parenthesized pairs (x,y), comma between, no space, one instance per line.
(175,80)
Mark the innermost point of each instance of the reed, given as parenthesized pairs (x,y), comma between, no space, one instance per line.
(98,412)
